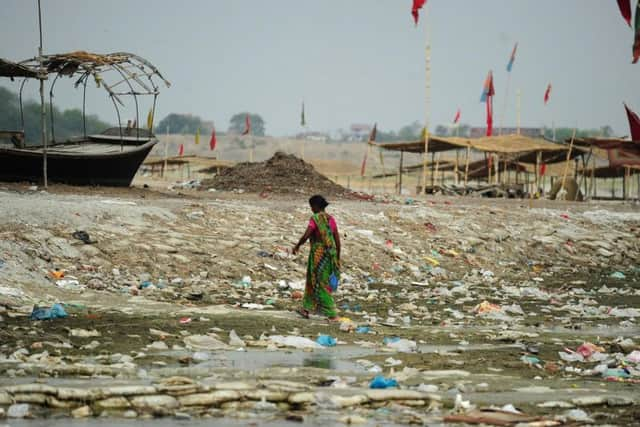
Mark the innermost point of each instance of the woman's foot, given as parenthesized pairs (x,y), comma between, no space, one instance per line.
(303,313)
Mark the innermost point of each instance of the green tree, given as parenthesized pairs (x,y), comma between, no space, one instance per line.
(410,132)
(182,124)
(237,124)
(67,123)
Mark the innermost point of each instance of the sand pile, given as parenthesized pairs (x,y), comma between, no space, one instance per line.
(282,173)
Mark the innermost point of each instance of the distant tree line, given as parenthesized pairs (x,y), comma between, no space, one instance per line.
(67,123)
(180,123)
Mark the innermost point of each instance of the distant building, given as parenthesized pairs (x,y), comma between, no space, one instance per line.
(313,136)
(479,132)
(359,132)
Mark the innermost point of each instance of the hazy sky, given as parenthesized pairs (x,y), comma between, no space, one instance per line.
(352,61)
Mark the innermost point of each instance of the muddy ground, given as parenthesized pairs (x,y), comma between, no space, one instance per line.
(164,265)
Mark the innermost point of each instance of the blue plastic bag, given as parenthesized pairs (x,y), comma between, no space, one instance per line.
(45,313)
(382,382)
(326,341)
(333,282)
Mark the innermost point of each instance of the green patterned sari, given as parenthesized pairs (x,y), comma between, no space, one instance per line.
(323,262)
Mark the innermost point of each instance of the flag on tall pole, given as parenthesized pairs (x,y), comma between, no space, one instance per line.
(197,136)
(150,119)
(547,94)
(363,168)
(415,9)
(247,125)
(513,58)
(487,87)
(374,132)
(303,120)
(487,97)
(625,10)
(636,44)
(456,118)
(634,124)
(212,141)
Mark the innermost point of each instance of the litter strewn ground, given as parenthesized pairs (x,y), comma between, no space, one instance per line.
(183,308)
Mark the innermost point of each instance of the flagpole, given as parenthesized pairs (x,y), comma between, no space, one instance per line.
(518,102)
(506,99)
(166,152)
(427,105)
(43,112)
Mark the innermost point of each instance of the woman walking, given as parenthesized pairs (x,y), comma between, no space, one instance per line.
(323,267)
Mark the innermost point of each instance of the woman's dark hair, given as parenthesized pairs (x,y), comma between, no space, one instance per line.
(318,201)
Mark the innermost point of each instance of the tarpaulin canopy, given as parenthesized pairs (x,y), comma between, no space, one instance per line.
(522,147)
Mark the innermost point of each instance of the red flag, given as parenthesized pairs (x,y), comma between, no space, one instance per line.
(634,124)
(247,125)
(417,5)
(489,92)
(543,169)
(625,10)
(374,133)
(363,168)
(181,150)
(456,119)
(547,94)
(212,141)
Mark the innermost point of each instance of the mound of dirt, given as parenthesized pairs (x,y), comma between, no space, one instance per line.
(282,173)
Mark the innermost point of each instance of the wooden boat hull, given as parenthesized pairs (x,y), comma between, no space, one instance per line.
(112,168)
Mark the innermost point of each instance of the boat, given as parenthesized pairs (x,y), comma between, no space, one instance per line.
(110,158)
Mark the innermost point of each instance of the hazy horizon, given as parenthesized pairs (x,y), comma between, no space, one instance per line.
(351,62)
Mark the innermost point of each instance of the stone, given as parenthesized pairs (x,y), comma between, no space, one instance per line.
(157,403)
(213,398)
(82,412)
(301,398)
(112,403)
(268,395)
(128,390)
(353,420)
(130,414)
(5,398)
(204,342)
(555,404)
(589,400)
(82,394)
(619,401)
(19,410)
(348,401)
(37,398)
(393,394)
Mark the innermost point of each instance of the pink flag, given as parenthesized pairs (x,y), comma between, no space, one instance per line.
(212,141)
(181,150)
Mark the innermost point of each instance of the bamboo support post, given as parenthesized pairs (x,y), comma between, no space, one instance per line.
(466,166)
(566,166)
(400,172)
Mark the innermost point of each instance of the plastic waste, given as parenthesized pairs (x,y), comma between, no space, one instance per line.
(618,275)
(18,410)
(578,415)
(234,339)
(56,311)
(617,373)
(403,345)
(571,357)
(326,341)
(633,357)
(293,341)
(381,382)
(530,360)
(83,236)
(587,349)
(363,330)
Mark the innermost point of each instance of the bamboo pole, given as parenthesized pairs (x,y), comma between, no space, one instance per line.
(437,167)
(427,106)
(466,166)
(537,172)
(400,173)
(566,165)
(518,110)
(455,167)
(593,178)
